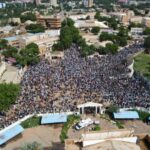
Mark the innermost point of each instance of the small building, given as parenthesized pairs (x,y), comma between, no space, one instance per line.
(136,31)
(54,118)
(9,133)
(126,115)
(49,22)
(13,41)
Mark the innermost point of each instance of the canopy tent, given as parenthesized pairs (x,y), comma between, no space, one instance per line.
(98,107)
(126,115)
(54,118)
(10,133)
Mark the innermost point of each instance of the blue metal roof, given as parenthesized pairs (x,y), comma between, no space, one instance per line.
(126,115)
(10,133)
(12,38)
(54,118)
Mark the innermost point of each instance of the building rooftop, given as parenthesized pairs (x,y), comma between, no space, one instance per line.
(54,118)
(10,133)
(126,115)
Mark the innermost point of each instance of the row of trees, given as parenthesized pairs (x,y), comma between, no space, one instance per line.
(70,34)
(26,56)
(119,39)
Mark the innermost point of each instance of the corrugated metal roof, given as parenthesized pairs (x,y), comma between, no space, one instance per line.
(126,115)
(10,133)
(54,118)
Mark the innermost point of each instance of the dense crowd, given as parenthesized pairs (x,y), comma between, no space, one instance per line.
(61,85)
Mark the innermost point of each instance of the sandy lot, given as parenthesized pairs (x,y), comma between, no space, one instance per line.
(48,136)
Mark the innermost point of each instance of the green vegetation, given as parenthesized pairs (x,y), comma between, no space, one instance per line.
(146,31)
(147,44)
(95,30)
(97,128)
(71,120)
(31,122)
(119,124)
(109,49)
(120,39)
(142,64)
(70,34)
(35,28)
(27,56)
(28,16)
(8,95)
(3,44)
(111,21)
(32,146)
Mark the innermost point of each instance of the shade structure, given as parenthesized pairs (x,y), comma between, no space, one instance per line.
(10,133)
(126,115)
(54,118)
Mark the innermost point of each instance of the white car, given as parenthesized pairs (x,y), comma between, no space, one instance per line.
(84,123)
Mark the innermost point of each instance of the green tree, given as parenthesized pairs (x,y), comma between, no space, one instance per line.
(3,43)
(112,109)
(147,44)
(32,146)
(97,15)
(67,22)
(95,30)
(28,16)
(10,52)
(35,28)
(8,95)
(146,31)
(29,55)
(112,48)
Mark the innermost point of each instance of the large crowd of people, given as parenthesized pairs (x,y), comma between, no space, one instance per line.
(60,85)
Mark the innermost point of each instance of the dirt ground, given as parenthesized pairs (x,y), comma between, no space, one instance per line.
(138,126)
(47,136)
(104,125)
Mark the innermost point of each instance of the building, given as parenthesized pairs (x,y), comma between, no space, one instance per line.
(49,22)
(13,41)
(88,3)
(146,22)
(53,3)
(38,2)
(136,19)
(122,139)
(43,40)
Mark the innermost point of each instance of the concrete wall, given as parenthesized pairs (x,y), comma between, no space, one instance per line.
(107,134)
(2,68)
(126,139)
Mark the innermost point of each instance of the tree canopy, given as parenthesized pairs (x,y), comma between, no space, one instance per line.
(28,16)
(29,55)
(8,95)
(35,28)
(147,44)
(95,30)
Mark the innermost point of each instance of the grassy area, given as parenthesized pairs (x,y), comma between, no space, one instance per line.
(31,122)
(119,124)
(142,64)
(70,121)
(97,128)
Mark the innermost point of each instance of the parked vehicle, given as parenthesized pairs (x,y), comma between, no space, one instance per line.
(83,123)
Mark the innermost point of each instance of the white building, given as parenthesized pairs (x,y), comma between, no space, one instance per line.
(53,3)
